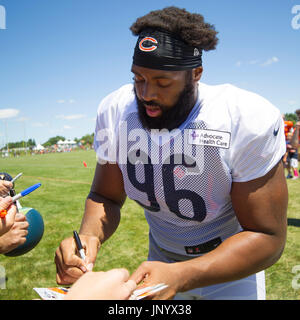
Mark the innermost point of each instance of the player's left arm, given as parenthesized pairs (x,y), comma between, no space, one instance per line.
(260,206)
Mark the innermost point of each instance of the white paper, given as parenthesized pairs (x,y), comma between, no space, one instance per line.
(51,293)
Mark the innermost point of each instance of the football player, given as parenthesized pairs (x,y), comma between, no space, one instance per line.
(204,161)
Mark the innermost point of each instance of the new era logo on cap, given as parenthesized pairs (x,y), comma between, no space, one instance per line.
(148,44)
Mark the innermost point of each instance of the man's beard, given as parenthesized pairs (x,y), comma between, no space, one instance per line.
(172,117)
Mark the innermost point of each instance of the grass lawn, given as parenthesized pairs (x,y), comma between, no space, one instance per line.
(60,200)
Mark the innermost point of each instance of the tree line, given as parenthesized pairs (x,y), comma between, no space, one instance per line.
(87,139)
(291,117)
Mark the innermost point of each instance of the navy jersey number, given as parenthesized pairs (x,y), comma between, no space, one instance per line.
(172,195)
(148,185)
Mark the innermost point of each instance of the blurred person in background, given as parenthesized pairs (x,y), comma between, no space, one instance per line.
(292,158)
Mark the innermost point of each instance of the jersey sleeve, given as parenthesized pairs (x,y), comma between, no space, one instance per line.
(258,141)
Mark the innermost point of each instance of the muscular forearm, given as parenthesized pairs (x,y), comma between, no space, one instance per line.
(237,257)
(101,217)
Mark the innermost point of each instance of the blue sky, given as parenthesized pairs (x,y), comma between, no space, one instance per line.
(59,58)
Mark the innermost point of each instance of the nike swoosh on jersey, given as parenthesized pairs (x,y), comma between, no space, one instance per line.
(275,132)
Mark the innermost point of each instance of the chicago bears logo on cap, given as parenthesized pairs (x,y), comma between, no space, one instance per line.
(152,47)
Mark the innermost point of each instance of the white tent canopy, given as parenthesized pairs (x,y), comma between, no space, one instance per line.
(38,147)
(66,142)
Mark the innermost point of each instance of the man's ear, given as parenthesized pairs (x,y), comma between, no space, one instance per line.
(197,73)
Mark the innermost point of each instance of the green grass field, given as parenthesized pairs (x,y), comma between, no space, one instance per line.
(60,200)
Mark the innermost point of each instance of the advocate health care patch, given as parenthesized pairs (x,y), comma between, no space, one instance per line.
(212,138)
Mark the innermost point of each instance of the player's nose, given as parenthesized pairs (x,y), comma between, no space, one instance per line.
(148,92)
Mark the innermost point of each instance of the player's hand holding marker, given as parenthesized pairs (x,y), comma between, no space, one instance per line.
(69,264)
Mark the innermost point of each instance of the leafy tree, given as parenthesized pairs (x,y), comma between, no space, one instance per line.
(53,141)
(87,139)
(20,144)
(291,117)
(31,143)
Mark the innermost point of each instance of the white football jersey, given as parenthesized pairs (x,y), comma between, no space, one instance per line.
(183,178)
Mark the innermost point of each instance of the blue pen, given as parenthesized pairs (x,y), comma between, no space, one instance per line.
(25,192)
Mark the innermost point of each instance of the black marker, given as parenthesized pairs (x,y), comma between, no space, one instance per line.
(79,245)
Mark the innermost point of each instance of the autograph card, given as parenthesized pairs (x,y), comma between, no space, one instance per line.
(59,293)
(147,291)
(51,293)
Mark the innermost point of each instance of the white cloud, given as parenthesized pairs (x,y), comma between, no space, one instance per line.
(22,119)
(8,113)
(240,63)
(270,61)
(256,62)
(66,101)
(71,117)
(39,124)
(253,61)
(67,127)
(292,102)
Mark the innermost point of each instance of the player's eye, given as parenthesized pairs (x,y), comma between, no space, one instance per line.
(137,79)
(164,83)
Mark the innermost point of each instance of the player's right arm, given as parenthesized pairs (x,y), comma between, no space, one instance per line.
(101,219)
